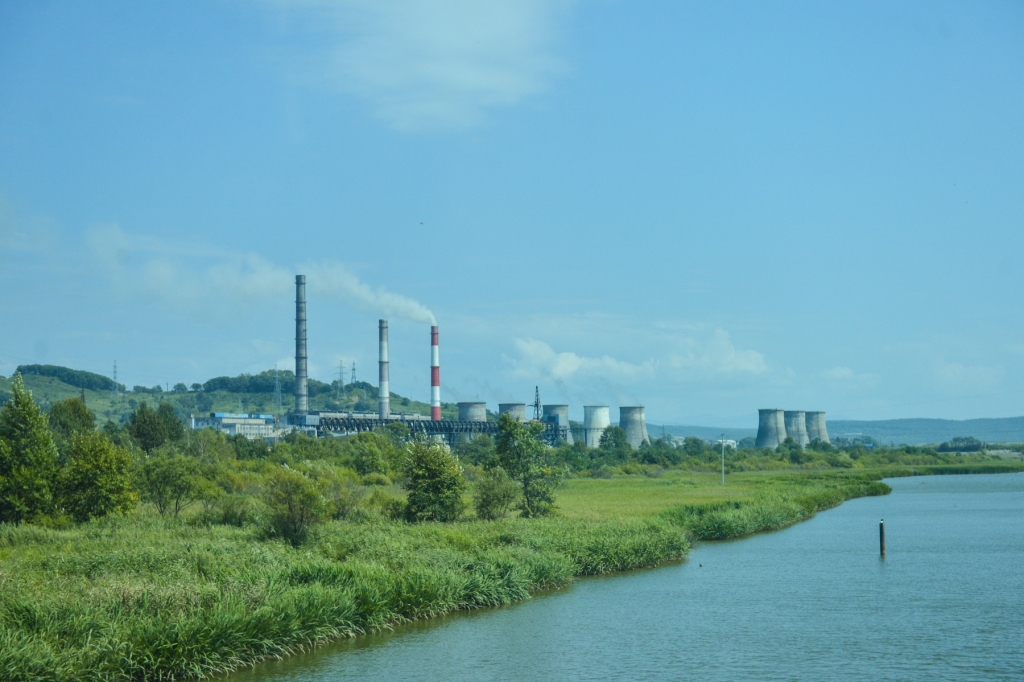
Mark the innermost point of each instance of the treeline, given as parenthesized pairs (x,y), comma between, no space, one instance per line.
(72,377)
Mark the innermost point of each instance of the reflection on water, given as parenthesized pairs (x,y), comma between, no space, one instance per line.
(811,602)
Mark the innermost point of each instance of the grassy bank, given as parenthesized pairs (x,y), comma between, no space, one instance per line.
(145,597)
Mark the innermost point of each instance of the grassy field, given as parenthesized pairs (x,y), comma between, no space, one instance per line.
(149,597)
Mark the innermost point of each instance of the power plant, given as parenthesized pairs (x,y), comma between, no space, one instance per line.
(774,425)
(595,420)
(796,426)
(472,416)
(634,423)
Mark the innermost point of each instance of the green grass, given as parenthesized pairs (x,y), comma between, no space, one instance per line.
(142,597)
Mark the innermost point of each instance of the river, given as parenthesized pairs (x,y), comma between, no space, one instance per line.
(811,602)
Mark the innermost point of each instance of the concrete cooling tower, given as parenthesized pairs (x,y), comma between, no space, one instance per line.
(596,419)
(771,428)
(516,410)
(796,427)
(634,423)
(559,416)
(472,412)
(816,427)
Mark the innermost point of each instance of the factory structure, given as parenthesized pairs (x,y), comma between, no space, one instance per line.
(472,416)
(774,426)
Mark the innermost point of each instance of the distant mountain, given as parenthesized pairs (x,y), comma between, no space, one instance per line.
(923,431)
(898,431)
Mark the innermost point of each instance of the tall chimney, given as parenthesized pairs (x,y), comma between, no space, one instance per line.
(384,389)
(435,377)
(301,391)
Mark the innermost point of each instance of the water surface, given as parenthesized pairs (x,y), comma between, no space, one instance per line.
(811,602)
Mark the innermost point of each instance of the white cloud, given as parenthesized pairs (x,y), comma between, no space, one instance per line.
(969,376)
(423,64)
(715,354)
(537,358)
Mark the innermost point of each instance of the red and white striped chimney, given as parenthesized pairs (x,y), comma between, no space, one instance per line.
(435,377)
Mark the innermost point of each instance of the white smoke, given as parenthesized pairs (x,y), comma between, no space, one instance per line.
(335,280)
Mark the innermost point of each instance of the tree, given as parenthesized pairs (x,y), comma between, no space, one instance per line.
(28,458)
(478,451)
(98,478)
(371,452)
(168,481)
(153,428)
(494,494)
(296,502)
(435,483)
(523,457)
(196,388)
(71,416)
(180,388)
(613,443)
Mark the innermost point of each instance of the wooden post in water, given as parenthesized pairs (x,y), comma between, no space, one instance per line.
(881,536)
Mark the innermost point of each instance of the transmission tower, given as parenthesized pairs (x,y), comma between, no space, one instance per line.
(113,387)
(353,372)
(341,381)
(536,403)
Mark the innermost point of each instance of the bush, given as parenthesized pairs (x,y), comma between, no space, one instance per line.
(98,478)
(168,481)
(296,502)
(374,478)
(494,494)
(435,483)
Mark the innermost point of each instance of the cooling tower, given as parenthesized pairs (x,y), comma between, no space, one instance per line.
(559,416)
(435,377)
(816,427)
(771,428)
(596,419)
(517,410)
(301,389)
(384,385)
(634,423)
(472,412)
(796,427)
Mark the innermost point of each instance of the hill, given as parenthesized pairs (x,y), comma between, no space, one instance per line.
(924,431)
(244,393)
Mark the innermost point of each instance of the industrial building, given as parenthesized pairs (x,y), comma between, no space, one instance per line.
(252,426)
(775,425)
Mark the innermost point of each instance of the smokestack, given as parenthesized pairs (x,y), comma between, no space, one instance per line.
(771,428)
(517,410)
(796,426)
(633,421)
(435,377)
(301,391)
(384,388)
(816,427)
(596,419)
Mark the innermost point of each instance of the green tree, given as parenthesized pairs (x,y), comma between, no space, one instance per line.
(494,494)
(435,483)
(98,478)
(296,503)
(28,460)
(371,452)
(478,451)
(71,416)
(152,428)
(693,447)
(523,457)
(168,481)
(613,444)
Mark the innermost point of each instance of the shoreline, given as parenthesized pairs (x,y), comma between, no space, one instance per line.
(138,598)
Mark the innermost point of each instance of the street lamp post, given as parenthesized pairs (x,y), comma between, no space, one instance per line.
(723,459)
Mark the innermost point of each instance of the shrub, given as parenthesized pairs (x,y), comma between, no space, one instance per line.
(525,459)
(374,478)
(296,502)
(98,478)
(168,481)
(435,483)
(494,494)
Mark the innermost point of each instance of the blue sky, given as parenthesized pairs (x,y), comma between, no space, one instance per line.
(701,208)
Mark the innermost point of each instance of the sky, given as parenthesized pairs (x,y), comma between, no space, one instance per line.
(702,208)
